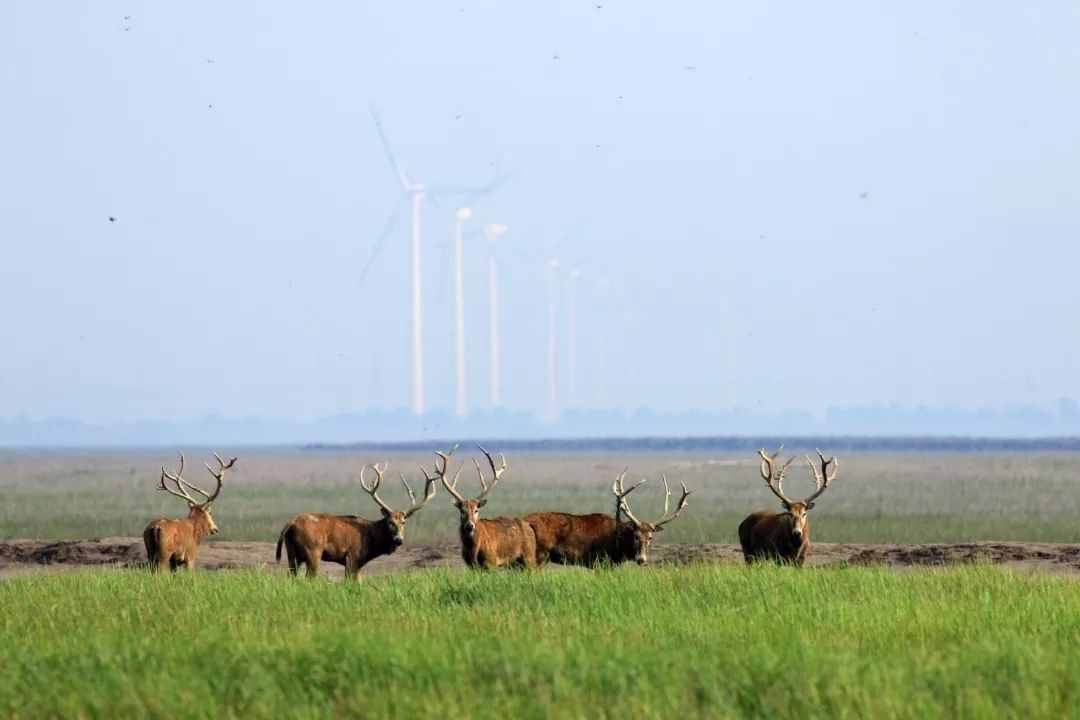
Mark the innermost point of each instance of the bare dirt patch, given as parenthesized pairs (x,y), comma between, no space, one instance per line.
(18,557)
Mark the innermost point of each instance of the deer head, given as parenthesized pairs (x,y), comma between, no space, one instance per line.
(197,510)
(639,535)
(395,519)
(775,480)
(470,508)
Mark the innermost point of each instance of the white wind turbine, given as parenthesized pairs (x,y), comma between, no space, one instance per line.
(493,232)
(463,214)
(415,192)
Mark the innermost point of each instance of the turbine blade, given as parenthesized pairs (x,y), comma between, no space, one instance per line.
(394,164)
(467,195)
(376,250)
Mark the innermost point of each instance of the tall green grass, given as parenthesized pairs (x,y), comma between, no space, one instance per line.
(629,643)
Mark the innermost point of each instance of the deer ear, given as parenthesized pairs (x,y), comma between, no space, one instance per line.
(384,512)
(658,529)
(191,505)
(482,503)
(810,506)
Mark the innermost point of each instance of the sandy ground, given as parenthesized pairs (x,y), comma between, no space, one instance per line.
(20,557)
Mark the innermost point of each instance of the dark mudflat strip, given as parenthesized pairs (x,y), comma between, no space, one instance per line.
(19,556)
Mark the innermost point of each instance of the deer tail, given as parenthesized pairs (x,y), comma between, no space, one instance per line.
(280,540)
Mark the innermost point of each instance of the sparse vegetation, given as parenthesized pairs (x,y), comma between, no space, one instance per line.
(903,498)
(700,641)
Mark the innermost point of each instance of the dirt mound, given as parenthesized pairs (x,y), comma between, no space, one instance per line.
(1065,557)
(19,556)
(107,551)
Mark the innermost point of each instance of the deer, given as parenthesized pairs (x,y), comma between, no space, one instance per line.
(598,539)
(350,540)
(174,543)
(784,537)
(489,543)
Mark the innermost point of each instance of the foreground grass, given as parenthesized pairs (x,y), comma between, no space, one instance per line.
(666,642)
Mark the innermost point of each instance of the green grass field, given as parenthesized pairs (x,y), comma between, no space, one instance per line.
(658,643)
(899,498)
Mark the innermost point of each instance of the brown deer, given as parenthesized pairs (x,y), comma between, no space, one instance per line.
(489,543)
(595,539)
(347,539)
(174,543)
(783,537)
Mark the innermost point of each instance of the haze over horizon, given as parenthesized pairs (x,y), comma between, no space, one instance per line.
(772,206)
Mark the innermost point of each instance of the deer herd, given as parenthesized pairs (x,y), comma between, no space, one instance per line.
(486,543)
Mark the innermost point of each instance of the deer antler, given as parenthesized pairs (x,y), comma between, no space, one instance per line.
(667,496)
(373,488)
(823,478)
(429,492)
(767,461)
(219,476)
(620,493)
(496,472)
(178,481)
(440,473)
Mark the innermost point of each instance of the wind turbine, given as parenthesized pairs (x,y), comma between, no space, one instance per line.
(415,193)
(493,232)
(463,214)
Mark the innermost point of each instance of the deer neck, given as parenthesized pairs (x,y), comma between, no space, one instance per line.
(469,537)
(622,541)
(201,526)
(382,540)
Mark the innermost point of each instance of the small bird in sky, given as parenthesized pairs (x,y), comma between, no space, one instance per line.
(112,219)
(690,67)
(864,195)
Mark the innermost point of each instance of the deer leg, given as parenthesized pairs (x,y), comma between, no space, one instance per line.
(155,558)
(800,557)
(151,551)
(352,568)
(312,561)
(294,561)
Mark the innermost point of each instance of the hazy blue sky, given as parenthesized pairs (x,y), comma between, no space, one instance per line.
(777,205)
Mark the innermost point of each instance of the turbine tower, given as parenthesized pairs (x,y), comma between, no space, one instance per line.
(553,289)
(493,233)
(463,214)
(415,192)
